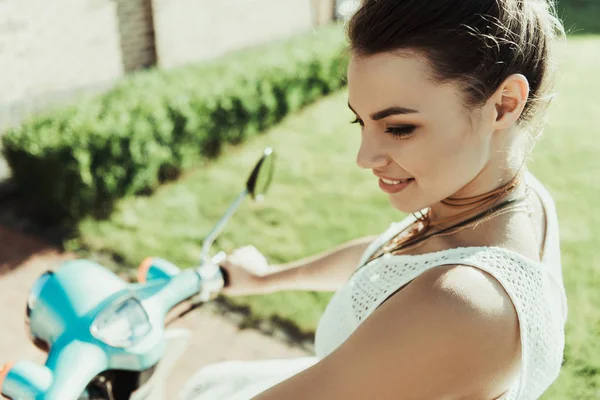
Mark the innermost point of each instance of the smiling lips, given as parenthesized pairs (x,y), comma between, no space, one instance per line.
(391,186)
(391,182)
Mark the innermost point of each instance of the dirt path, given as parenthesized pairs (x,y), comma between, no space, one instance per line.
(215,338)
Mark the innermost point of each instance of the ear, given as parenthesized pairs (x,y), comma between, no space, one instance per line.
(509,101)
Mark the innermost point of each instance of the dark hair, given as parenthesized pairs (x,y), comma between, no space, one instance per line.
(478,43)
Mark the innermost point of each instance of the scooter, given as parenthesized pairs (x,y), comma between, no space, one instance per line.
(106,339)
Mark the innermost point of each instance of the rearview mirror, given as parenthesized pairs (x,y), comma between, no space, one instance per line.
(261,177)
(256,186)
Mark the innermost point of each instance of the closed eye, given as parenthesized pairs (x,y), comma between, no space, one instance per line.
(398,132)
(401,131)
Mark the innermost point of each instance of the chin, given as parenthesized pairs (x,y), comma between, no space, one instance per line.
(404,205)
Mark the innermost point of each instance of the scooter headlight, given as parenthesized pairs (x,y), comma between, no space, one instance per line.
(36,289)
(32,301)
(122,324)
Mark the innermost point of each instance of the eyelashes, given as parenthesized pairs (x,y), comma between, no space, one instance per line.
(398,131)
(403,131)
(357,121)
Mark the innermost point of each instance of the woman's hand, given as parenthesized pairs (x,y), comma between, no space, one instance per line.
(246,268)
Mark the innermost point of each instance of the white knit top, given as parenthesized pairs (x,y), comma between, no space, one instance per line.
(535,288)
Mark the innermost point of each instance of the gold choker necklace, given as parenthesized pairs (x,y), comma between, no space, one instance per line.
(480,208)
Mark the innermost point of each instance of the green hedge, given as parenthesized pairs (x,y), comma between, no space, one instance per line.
(155,124)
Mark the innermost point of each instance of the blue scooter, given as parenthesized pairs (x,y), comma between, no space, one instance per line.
(106,339)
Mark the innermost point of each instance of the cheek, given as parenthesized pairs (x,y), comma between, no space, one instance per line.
(428,152)
(444,159)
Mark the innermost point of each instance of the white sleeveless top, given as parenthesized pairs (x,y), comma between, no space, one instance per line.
(536,290)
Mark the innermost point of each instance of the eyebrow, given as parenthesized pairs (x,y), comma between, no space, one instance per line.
(387,112)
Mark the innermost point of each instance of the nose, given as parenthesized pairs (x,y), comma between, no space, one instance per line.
(371,154)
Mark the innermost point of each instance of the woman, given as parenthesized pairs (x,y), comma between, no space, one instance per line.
(464,299)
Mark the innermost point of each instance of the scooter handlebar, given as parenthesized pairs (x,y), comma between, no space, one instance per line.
(211,279)
(78,356)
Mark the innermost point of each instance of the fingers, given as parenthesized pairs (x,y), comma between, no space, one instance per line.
(245,250)
(245,253)
(247,258)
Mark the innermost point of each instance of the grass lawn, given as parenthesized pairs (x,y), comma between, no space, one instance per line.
(320,199)
(580,16)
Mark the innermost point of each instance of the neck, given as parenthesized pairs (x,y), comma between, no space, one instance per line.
(486,181)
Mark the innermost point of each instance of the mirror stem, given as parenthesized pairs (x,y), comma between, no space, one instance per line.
(208,242)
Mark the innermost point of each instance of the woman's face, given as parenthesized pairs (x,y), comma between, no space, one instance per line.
(416,133)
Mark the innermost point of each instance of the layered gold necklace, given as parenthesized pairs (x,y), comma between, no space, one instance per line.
(475,210)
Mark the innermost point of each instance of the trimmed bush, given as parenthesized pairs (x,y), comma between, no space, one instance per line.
(153,125)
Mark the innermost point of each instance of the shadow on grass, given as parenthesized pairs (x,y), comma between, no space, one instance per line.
(275,326)
(16,248)
(21,214)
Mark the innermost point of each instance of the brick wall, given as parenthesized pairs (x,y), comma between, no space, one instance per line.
(48,49)
(190,30)
(52,51)
(136,30)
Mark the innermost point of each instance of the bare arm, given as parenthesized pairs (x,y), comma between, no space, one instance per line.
(324,272)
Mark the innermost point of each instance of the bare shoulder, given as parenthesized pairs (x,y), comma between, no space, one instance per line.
(452,333)
(474,298)
(466,321)
(472,301)
(468,289)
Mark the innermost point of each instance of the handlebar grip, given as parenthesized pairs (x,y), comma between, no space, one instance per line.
(26,380)
(225,274)
(4,370)
(156,268)
(213,278)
